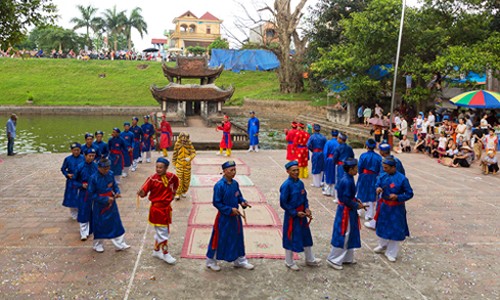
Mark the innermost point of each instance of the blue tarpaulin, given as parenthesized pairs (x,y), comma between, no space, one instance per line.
(244,60)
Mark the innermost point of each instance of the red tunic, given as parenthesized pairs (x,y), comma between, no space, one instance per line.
(161,196)
(300,144)
(226,141)
(290,148)
(166,135)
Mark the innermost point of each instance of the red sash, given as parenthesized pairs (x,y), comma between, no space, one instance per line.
(108,194)
(339,163)
(318,150)
(215,239)
(366,171)
(118,152)
(330,156)
(290,222)
(388,202)
(345,218)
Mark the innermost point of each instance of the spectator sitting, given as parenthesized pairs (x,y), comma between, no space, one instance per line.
(404,144)
(420,145)
(434,149)
(490,163)
(491,141)
(462,158)
(452,150)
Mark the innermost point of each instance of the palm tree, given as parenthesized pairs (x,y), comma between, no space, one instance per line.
(115,23)
(135,21)
(87,20)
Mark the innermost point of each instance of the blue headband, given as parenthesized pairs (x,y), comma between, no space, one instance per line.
(335,133)
(384,147)
(291,164)
(342,136)
(163,160)
(103,163)
(389,160)
(99,132)
(75,145)
(135,118)
(146,117)
(350,162)
(126,124)
(116,129)
(88,135)
(316,127)
(371,143)
(89,151)
(228,164)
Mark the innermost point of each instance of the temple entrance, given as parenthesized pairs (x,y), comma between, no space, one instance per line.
(193,108)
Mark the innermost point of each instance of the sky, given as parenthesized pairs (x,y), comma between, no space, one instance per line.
(160,14)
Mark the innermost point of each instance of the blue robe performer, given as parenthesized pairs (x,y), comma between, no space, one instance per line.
(328,151)
(392,226)
(106,221)
(345,236)
(69,168)
(103,146)
(253,132)
(227,242)
(385,151)
(83,174)
(128,137)
(296,232)
(342,153)
(316,144)
(89,143)
(116,149)
(369,167)
(148,132)
(137,131)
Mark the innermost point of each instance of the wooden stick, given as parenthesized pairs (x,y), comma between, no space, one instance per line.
(245,217)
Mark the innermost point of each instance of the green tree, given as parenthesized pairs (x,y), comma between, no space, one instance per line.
(219,43)
(115,24)
(135,20)
(17,15)
(56,37)
(196,50)
(88,21)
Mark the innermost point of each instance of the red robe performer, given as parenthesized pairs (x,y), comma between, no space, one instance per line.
(226,141)
(166,135)
(290,136)
(161,187)
(301,151)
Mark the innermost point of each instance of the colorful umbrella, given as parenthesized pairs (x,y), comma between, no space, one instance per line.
(478,99)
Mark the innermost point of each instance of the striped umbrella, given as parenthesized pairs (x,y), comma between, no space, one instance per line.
(478,99)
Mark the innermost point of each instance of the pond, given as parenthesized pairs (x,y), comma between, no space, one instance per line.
(54,133)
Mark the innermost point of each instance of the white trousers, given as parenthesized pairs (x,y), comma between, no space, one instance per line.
(329,189)
(84,229)
(307,252)
(119,242)
(74,212)
(162,233)
(240,261)
(392,247)
(370,210)
(317,179)
(148,155)
(342,255)
(125,171)
(118,179)
(135,162)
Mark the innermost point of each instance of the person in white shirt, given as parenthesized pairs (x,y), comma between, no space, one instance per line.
(460,130)
(404,126)
(423,129)
(378,110)
(432,122)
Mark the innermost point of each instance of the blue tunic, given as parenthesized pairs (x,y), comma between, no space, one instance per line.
(316,144)
(116,149)
(97,150)
(253,129)
(328,151)
(83,174)
(70,166)
(105,219)
(103,150)
(391,217)
(227,235)
(342,152)
(137,131)
(369,165)
(296,231)
(148,132)
(347,200)
(128,138)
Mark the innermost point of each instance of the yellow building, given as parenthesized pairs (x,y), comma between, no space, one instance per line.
(193,31)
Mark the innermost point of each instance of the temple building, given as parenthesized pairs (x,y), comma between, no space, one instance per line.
(193,31)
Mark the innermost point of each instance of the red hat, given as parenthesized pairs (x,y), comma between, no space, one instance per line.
(301,125)
(294,124)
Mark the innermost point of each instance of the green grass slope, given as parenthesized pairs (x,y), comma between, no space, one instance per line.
(56,82)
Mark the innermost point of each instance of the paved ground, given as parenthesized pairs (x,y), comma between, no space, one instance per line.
(452,253)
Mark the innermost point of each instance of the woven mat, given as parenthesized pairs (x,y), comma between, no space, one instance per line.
(260,242)
(205,194)
(216,160)
(211,180)
(260,214)
(217,170)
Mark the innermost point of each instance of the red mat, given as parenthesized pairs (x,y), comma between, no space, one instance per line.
(260,214)
(205,194)
(217,170)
